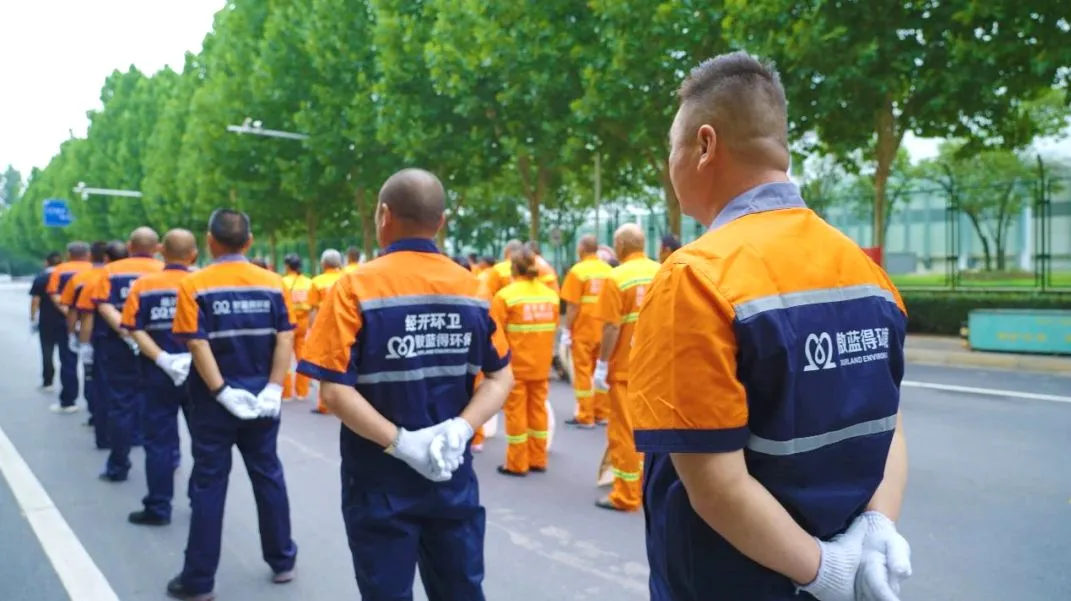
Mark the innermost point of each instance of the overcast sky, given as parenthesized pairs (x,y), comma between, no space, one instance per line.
(55,54)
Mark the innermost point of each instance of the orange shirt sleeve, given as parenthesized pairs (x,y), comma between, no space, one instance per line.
(53,282)
(329,347)
(572,288)
(498,353)
(289,321)
(684,396)
(102,290)
(85,298)
(132,306)
(189,321)
(609,307)
(315,296)
(67,298)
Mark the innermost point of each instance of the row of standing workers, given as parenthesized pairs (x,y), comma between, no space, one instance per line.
(757,370)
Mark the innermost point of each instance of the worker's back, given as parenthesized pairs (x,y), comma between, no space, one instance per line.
(817,332)
(528,311)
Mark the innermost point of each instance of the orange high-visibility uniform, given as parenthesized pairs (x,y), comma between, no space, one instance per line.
(321,285)
(496,278)
(581,288)
(298,286)
(547,275)
(619,304)
(527,310)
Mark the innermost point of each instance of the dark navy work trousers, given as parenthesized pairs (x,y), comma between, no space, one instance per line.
(160,435)
(121,383)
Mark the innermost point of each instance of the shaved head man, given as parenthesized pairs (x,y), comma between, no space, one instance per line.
(179,247)
(587,245)
(511,247)
(144,241)
(730,133)
(629,239)
(411,204)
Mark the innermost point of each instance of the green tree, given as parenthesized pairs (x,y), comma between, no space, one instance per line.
(863,74)
(10,186)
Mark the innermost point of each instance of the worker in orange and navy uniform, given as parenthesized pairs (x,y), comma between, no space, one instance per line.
(68,298)
(500,274)
(298,285)
(547,274)
(528,311)
(618,308)
(148,315)
(77,261)
(238,325)
(46,321)
(353,260)
(582,332)
(331,271)
(397,347)
(120,364)
(765,375)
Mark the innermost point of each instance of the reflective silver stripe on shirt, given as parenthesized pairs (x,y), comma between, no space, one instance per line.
(241,332)
(413,375)
(157,292)
(807,444)
(239,289)
(810,297)
(417,300)
(158,326)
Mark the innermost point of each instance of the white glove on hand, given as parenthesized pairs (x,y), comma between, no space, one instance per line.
(34,326)
(72,343)
(177,367)
(85,354)
(886,562)
(414,448)
(567,338)
(602,370)
(840,561)
(241,403)
(270,401)
(130,342)
(448,447)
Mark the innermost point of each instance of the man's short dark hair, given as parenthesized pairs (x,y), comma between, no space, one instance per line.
(670,242)
(742,97)
(117,250)
(292,261)
(353,253)
(78,250)
(53,258)
(230,228)
(98,251)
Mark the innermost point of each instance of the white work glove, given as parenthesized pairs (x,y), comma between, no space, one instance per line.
(414,448)
(241,403)
(567,338)
(886,562)
(602,370)
(448,447)
(270,401)
(177,367)
(72,343)
(130,342)
(85,353)
(840,561)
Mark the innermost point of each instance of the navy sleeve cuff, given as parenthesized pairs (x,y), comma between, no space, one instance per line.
(326,375)
(692,441)
(495,363)
(184,336)
(285,327)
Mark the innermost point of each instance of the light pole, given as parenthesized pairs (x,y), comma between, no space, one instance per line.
(85,192)
(249,126)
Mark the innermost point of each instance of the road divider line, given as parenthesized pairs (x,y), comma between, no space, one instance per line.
(1033,396)
(77,571)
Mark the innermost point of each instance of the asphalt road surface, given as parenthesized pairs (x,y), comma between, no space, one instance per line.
(988,510)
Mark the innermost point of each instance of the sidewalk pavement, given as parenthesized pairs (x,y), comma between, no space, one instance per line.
(953,351)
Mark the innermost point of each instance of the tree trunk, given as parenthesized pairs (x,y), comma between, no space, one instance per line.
(272,251)
(367,215)
(532,192)
(888,143)
(673,205)
(977,225)
(310,238)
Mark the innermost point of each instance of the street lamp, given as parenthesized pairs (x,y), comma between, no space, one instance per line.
(85,192)
(255,127)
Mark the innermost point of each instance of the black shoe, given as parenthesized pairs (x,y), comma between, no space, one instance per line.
(106,477)
(538,470)
(144,518)
(505,472)
(176,590)
(573,422)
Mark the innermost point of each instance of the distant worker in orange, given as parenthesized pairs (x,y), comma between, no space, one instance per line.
(298,285)
(547,273)
(500,274)
(582,331)
(618,308)
(331,271)
(527,310)
(353,260)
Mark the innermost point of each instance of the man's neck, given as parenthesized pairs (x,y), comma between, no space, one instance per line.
(744,181)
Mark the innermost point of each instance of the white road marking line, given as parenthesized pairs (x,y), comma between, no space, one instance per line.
(76,569)
(1052,398)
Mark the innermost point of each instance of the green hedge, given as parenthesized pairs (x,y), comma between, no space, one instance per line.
(945,311)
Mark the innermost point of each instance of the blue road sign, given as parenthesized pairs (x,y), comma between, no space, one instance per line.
(57,213)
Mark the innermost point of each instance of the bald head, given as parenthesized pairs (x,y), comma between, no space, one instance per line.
(416,197)
(629,239)
(331,258)
(587,245)
(512,247)
(180,246)
(144,241)
(743,100)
